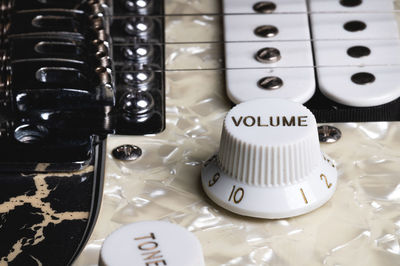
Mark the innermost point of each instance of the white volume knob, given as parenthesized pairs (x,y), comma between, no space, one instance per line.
(270,164)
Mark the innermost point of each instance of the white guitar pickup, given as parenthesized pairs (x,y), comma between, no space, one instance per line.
(268,55)
(353,26)
(357,53)
(241,89)
(340,84)
(246,6)
(283,27)
(348,6)
(360,53)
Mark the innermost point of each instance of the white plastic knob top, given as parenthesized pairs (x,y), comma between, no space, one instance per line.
(151,243)
(270,164)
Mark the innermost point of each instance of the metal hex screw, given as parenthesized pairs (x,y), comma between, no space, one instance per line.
(138,53)
(138,26)
(132,5)
(329,134)
(266,31)
(270,83)
(137,103)
(268,55)
(265,7)
(127,152)
(138,78)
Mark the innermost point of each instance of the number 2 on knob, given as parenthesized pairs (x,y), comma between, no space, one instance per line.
(326,181)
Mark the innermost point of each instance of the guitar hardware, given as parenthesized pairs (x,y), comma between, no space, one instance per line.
(127,153)
(270,83)
(266,31)
(329,134)
(264,7)
(268,55)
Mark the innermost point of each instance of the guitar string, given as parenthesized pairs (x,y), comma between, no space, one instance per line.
(260,40)
(219,16)
(360,68)
(222,14)
(170,44)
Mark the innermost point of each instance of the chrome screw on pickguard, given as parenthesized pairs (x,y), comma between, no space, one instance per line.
(265,7)
(127,152)
(266,31)
(268,55)
(270,83)
(329,134)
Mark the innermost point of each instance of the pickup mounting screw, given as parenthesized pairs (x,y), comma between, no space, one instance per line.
(329,134)
(127,152)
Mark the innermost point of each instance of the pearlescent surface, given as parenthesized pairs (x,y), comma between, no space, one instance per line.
(360,225)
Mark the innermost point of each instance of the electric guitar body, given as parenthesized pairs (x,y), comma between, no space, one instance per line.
(136,154)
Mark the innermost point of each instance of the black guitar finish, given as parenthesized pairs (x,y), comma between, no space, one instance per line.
(47,217)
(71,73)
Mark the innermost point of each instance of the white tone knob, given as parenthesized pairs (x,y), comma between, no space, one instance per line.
(151,243)
(270,164)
